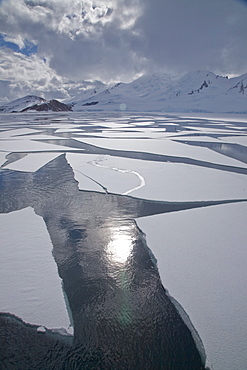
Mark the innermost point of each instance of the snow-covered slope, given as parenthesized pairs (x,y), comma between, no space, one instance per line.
(51,105)
(195,92)
(140,95)
(19,104)
(86,90)
(200,91)
(207,92)
(34,103)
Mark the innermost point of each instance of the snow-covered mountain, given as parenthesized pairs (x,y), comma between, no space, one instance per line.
(194,92)
(85,91)
(19,104)
(132,96)
(199,91)
(34,103)
(49,106)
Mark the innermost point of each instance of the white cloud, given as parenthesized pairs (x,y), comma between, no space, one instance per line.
(21,75)
(15,40)
(81,38)
(67,17)
(18,66)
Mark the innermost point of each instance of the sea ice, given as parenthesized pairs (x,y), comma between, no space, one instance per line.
(241,140)
(201,253)
(30,286)
(164,147)
(163,181)
(32,162)
(201,257)
(26,145)
(93,173)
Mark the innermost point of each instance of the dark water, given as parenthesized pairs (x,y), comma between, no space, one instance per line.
(123,317)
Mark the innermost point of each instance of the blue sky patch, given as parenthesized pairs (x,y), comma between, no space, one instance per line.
(29,48)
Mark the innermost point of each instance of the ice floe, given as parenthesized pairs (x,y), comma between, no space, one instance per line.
(30,285)
(202,261)
(201,253)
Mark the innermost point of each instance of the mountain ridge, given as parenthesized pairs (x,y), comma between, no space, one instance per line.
(34,103)
(200,91)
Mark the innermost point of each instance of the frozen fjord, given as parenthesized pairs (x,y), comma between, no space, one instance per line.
(106,151)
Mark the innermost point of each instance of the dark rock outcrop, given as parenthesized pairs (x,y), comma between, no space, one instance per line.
(52,105)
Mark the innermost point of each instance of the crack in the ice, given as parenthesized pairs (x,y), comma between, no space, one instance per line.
(96,182)
(97,162)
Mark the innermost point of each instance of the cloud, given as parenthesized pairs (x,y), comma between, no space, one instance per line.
(186,35)
(21,75)
(81,38)
(15,40)
(120,39)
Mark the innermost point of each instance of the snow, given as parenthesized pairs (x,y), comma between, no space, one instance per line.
(25,145)
(207,139)
(41,329)
(22,103)
(197,91)
(30,285)
(17,132)
(32,162)
(83,171)
(164,147)
(241,140)
(169,181)
(201,253)
(202,261)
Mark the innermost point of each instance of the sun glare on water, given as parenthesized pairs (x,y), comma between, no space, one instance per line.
(120,245)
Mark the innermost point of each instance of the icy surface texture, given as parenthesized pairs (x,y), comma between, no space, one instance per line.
(90,179)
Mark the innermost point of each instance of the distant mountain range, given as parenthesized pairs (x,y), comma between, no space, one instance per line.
(194,92)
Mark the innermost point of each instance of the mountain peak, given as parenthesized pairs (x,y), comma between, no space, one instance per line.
(199,91)
(34,103)
(51,105)
(21,103)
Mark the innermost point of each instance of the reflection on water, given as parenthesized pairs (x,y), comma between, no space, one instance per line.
(120,246)
(123,317)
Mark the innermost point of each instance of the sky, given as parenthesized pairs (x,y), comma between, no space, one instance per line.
(48,47)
